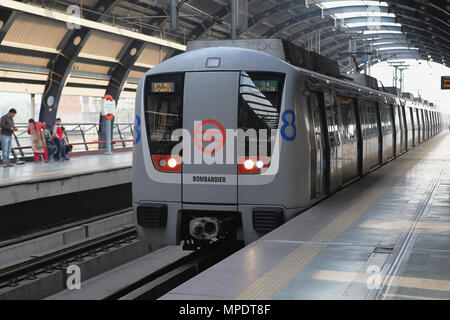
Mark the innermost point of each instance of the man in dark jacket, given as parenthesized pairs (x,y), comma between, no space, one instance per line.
(6,130)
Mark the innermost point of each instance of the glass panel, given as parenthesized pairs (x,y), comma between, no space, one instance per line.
(348,117)
(372,118)
(260,100)
(260,96)
(163,110)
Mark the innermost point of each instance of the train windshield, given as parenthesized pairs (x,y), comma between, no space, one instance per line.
(260,97)
(260,100)
(163,110)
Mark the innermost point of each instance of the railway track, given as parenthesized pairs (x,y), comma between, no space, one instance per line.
(12,276)
(158,283)
(66,226)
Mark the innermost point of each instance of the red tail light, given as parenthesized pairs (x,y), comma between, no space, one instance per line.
(253,165)
(167,163)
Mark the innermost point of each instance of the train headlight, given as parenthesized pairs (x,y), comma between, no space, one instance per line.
(249,164)
(172,163)
(167,163)
(162,163)
(253,166)
(259,164)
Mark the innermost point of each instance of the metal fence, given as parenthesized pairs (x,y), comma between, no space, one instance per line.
(82,136)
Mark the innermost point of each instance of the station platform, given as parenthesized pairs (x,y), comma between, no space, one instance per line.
(386,236)
(82,187)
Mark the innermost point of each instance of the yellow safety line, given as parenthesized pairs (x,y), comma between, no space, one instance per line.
(270,283)
(275,279)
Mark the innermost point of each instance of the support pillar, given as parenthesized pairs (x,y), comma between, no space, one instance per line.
(234,19)
(33,106)
(119,75)
(174,15)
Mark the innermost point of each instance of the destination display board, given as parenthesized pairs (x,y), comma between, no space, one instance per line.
(445,83)
(266,85)
(163,87)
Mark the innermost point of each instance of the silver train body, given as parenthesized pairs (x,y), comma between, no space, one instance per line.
(326,133)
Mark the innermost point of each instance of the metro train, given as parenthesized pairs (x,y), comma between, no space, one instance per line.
(315,130)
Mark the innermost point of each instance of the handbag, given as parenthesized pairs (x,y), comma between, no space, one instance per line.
(69,148)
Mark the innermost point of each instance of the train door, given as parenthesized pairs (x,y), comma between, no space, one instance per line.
(433,125)
(359,136)
(373,134)
(413,125)
(365,141)
(401,120)
(210,107)
(419,126)
(349,139)
(397,130)
(317,142)
(410,127)
(388,132)
(335,146)
(424,124)
(427,124)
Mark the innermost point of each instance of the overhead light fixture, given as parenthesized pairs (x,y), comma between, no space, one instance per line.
(337,4)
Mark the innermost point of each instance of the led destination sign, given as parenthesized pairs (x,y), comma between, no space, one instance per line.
(266,85)
(163,87)
(445,83)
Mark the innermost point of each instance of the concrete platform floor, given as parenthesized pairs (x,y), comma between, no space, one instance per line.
(37,172)
(386,236)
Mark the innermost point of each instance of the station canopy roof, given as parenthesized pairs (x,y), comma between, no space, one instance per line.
(36,35)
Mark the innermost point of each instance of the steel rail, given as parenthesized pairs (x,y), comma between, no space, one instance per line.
(11,275)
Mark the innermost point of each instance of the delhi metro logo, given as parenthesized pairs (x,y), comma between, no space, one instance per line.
(215,138)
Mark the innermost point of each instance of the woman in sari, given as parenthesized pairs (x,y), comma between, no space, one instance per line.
(38,143)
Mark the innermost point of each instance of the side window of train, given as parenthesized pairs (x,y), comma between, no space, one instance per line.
(408,118)
(396,118)
(260,100)
(314,103)
(260,96)
(386,118)
(372,122)
(348,117)
(400,118)
(333,125)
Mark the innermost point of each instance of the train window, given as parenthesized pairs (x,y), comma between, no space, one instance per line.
(163,110)
(260,96)
(386,119)
(372,125)
(260,100)
(333,126)
(409,118)
(348,117)
(416,122)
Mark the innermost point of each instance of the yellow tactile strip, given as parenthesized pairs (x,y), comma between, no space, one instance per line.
(275,279)
(269,284)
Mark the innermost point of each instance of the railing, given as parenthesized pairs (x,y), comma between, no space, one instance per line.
(82,136)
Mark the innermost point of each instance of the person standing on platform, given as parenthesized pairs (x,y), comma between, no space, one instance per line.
(7,128)
(51,145)
(37,140)
(59,140)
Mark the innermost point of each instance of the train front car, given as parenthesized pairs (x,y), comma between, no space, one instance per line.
(216,132)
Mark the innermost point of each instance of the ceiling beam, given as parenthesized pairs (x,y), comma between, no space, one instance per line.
(64,17)
(62,64)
